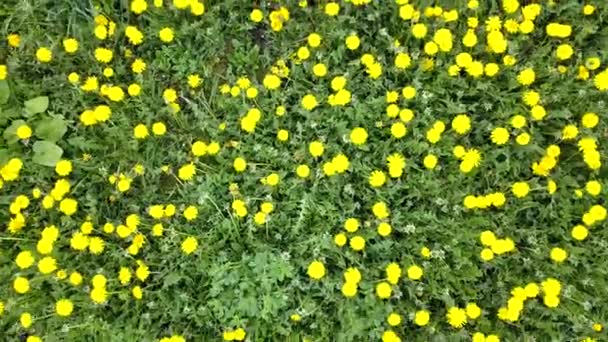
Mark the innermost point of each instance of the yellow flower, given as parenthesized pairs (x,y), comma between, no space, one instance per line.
(430,161)
(590,120)
(139,6)
(431,48)
(558,254)
(190,213)
(24,259)
(390,336)
(199,148)
(558,30)
(456,317)
(166,35)
(283,135)
(551,301)
(47,265)
(137,292)
(393,273)
(75,278)
(26,320)
(260,218)
(421,318)
(73,78)
(316,148)
(197,8)
(13,40)
(303,53)
(138,66)
(393,319)
(349,289)
(186,172)
(352,42)
(21,285)
(408,92)
(239,164)
(593,187)
(384,290)
(461,124)
(104,55)
(340,239)
(380,210)
(140,131)
(500,136)
(473,311)
(23,132)
(70,45)
(443,39)
(316,270)
(414,272)
(486,254)
(357,243)
(116,94)
(351,225)
(271,82)
(101,32)
(332,9)
(134,89)
(90,84)
(159,128)
(403,60)
(358,136)
(522,139)
(579,232)
(319,70)
(44,55)
(189,245)
(526,76)
(520,189)
(469,39)
(256,16)
(64,307)
(491,69)
(398,130)
(194,81)
(170,95)
(564,51)
(309,102)
(98,295)
(63,167)
(68,206)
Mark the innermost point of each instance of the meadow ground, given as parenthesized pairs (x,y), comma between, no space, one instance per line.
(193,170)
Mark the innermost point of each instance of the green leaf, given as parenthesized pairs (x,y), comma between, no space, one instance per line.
(4,156)
(171,279)
(36,105)
(10,133)
(5,92)
(46,153)
(51,129)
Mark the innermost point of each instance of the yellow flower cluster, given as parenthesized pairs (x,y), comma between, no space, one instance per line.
(494,246)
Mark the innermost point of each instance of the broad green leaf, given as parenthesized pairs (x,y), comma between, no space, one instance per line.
(5,92)
(51,129)
(9,113)
(36,105)
(4,156)
(46,153)
(171,279)
(10,133)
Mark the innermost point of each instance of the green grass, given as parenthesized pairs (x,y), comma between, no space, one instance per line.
(250,276)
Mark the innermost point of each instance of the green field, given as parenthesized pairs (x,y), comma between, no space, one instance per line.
(388,170)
